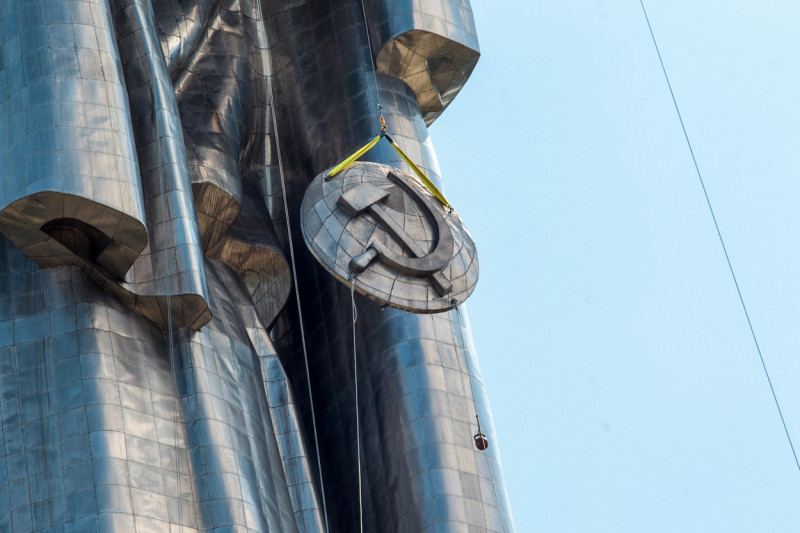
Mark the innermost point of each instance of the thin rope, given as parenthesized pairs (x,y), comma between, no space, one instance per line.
(466,359)
(719,235)
(172,364)
(261,358)
(372,63)
(268,74)
(475,405)
(167,281)
(494,487)
(469,378)
(355,383)
(168,288)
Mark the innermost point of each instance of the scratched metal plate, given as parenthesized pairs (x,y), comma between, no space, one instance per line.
(398,230)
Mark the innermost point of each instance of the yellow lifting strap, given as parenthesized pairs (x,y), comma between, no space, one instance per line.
(421,175)
(358,153)
(367,147)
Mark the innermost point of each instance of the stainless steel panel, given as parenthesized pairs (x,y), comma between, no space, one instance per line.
(71,161)
(430,44)
(409,413)
(137,168)
(90,416)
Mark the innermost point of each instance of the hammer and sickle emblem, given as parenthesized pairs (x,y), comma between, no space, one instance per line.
(370,198)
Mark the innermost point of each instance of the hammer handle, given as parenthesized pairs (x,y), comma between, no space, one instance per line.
(360,262)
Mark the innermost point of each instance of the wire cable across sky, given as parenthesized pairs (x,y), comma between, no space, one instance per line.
(719,234)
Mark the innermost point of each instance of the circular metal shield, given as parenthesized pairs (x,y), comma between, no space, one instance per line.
(382,225)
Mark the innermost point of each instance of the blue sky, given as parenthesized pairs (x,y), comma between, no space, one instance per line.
(625,386)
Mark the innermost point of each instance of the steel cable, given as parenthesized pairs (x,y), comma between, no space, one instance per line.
(355,385)
(268,75)
(719,235)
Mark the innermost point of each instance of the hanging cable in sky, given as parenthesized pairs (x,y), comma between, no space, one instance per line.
(719,234)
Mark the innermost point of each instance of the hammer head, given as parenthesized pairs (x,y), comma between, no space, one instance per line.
(360,198)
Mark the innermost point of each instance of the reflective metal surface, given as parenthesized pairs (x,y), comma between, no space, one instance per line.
(139,187)
(382,227)
(429,44)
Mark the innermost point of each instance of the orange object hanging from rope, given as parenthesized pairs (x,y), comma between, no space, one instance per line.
(481,442)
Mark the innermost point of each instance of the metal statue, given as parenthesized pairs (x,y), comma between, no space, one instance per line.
(172,357)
